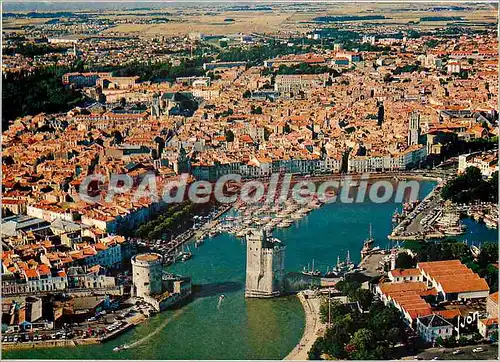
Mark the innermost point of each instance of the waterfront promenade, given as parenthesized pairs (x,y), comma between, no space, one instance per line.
(314,327)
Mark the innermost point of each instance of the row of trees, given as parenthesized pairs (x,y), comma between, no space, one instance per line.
(409,68)
(355,335)
(160,71)
(471,187)
(173,217)
(343,18)
(257,54)
(30,49)
(452,146)
(305,68)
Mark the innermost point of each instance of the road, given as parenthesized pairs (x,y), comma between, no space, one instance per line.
(490,353)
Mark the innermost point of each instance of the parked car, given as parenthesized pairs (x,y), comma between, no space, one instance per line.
(457,352)
(477,350)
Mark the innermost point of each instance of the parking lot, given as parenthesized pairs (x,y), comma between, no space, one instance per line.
(103,324)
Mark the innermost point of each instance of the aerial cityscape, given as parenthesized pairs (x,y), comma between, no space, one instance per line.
(238,180)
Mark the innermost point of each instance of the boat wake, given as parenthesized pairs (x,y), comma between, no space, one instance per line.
(156,331)
(175,315)
(221,298)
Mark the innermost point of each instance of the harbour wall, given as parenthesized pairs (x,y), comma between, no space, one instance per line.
(38,344)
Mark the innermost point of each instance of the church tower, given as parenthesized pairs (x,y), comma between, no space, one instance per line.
(380,113)
(181,164)
(155,106)
(414,128)
(265,270)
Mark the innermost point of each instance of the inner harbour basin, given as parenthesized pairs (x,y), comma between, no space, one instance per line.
(240,328)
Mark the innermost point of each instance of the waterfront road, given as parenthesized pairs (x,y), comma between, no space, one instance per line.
(314,327)
(490,352)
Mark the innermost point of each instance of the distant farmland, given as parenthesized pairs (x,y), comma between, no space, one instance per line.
(340,19)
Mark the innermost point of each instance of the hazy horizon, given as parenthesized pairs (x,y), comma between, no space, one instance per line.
(20,5)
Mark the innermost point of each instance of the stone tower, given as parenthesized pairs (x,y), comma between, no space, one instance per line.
(147,274)
(414,128)
(265,272)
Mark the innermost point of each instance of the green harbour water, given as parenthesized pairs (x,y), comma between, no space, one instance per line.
(242,328)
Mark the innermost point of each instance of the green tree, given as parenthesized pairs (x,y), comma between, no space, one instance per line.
(348,289)
(494,187)
(267,133)
(229,135)
(394,336)
(470,187)
(337,310)
(363,341)
(338,335)
(387,78)
(364,297)
(316,350)
(382,319)
(405,261)
(256,110)
(488,254)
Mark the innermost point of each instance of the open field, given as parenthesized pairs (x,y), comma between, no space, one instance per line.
(246,22)
(283,19)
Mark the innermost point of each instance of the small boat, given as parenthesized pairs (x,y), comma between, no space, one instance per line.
(283,225)
(312,272)
(475,251)
(454,231)
(395,216)
(186,256)
(331,273)
(120,348)
(490,223)
(370,240)
(269,229)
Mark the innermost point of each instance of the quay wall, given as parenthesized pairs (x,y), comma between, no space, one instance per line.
(117,290)
(38,344)
(50,343)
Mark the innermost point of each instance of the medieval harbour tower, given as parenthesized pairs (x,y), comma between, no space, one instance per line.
(265,272)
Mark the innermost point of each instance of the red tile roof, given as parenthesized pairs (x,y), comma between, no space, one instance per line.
(405,272)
